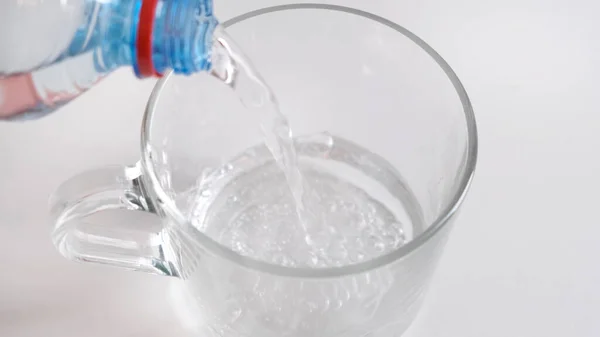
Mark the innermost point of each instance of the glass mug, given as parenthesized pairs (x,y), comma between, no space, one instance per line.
(336,69)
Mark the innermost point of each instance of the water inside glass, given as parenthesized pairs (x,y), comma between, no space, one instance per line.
(313,201)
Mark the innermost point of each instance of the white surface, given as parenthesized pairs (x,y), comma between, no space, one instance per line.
(522,260)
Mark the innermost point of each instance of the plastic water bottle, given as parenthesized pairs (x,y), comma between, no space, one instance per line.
(54,50)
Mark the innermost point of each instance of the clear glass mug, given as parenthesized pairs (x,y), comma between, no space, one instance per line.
(351,73)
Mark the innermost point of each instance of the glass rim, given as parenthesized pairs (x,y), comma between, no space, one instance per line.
(166,204)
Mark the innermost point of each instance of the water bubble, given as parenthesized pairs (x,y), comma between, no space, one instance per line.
(356,256)
(379,247)
(314,259)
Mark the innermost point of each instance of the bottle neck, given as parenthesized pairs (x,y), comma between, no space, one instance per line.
(181,37)
(151,35)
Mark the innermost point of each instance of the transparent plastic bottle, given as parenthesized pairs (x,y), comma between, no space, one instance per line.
(54,50)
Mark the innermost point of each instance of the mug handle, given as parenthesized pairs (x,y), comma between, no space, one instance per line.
(140,245)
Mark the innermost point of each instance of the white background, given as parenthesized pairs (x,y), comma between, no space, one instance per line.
(523,259)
